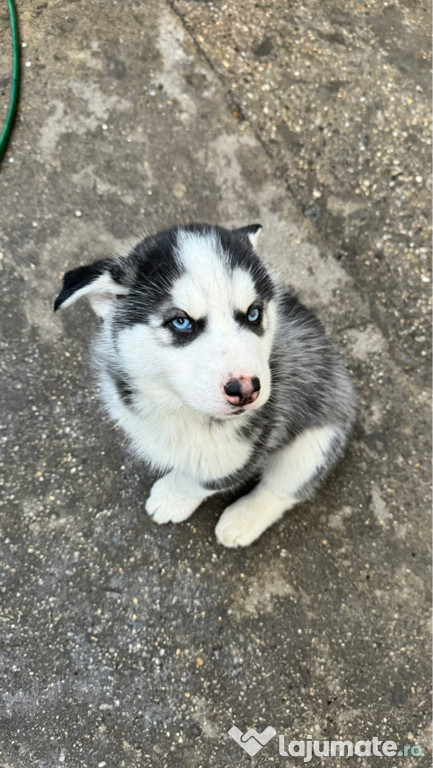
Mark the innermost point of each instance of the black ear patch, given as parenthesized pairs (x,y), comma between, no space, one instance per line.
(78,278)
(250,229)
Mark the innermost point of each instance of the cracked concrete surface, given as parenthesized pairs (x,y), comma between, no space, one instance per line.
(122,643)
(339,95)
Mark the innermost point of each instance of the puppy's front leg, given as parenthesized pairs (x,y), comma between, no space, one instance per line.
(245,520)
(291,477)
(174,498)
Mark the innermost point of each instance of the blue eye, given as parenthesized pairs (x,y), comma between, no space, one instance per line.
(181,324)
(253,315)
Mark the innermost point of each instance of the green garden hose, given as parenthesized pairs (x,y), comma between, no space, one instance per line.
(13,98)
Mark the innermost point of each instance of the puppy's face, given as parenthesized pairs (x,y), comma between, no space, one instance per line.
(191,315)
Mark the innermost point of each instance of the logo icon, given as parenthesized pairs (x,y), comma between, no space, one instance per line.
(251,741)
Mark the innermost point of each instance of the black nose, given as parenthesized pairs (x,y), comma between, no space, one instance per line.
(233,388)
(243,390)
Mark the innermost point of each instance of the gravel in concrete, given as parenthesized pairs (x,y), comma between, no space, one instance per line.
(125,644)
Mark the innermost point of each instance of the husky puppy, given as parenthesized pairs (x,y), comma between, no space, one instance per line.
(217,374)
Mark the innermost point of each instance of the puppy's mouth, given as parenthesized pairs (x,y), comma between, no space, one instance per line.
(238,410)
(235,411)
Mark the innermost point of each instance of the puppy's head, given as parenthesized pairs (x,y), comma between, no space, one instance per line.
(189,317)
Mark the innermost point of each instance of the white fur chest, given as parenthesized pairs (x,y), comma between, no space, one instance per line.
(178,438)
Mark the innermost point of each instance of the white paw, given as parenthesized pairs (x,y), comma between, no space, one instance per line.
(239,525)
(245,520)
(166,505)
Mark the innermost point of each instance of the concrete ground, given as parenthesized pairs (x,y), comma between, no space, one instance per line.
(125,644)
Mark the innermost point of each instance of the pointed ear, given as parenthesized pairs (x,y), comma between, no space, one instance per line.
(252,231)
(101,282)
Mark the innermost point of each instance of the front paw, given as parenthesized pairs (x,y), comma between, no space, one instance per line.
(238,526)
(166,505)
